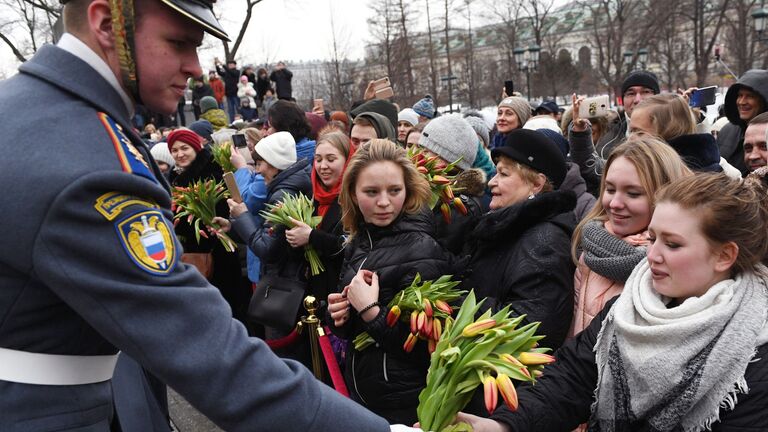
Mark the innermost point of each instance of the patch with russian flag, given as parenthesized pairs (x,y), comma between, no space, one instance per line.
(147,238)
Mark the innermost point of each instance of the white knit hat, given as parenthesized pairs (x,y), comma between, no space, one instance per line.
(408,115)
(278,149)
(542,122)
(161,154)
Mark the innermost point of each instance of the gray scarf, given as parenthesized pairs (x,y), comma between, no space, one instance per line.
(608,255)
(673,369)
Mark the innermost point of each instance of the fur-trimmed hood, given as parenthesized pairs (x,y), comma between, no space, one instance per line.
(471,182)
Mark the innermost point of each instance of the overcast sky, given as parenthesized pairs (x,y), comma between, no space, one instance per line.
(279,30)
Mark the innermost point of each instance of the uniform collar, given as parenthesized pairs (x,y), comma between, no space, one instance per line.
(77,48)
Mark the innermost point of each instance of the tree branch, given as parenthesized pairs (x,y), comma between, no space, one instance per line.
(15,50)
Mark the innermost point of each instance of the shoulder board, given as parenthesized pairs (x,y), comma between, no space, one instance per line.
(131,161)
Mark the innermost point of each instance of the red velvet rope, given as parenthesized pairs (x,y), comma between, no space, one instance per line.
(333,367)
(284,341)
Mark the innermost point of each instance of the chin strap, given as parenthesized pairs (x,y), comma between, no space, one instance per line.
(124,29)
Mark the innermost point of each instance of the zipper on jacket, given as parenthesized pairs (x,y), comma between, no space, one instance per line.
(354,379)
(386,378)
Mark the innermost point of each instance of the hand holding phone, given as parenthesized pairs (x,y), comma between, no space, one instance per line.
(594,107)
(702,97)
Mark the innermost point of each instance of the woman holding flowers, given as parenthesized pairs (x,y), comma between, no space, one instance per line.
(612,238)
(284,175)
(332,154)
(383,201)
(685,345)
(195,162)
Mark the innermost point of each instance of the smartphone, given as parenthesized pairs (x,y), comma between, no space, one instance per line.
(239,140)
(318,103)
(509,87)
(381,84)
(702,97)
(234,191)
(594,107)
(385,93)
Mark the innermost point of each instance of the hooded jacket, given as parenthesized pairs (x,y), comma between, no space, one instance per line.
(381,124)
(383,377)
(730,139)
(520,258)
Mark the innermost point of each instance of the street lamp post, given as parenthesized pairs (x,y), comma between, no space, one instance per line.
(642,57)
(450,79)
(761,19)
(527,63)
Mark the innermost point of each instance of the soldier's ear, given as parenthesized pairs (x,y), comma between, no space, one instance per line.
(100,25)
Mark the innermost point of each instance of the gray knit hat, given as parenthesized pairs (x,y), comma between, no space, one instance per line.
(481,129)
(520,106)
(451,138)
(208,103)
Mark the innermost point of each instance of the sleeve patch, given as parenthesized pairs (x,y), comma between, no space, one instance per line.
(111,204)
(131,160)
(148,241)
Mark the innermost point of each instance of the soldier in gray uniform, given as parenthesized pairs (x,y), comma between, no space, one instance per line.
(89,262)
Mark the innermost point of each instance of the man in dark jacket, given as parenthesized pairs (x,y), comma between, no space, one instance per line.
(231,76)
(282,78)
(743,102)
(199,90)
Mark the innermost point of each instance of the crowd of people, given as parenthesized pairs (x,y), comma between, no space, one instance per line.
(636,238)
(634,216)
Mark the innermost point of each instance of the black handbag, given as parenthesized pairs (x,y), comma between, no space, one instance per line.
(276,301)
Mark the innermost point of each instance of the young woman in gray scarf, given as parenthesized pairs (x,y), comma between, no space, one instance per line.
(612,238)
(685,346)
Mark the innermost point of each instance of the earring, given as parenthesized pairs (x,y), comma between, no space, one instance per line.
(531,196)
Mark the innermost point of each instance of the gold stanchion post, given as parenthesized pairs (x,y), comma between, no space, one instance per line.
(312,323)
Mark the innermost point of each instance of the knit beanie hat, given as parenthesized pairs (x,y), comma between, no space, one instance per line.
(425,107)
(640,78)
(520,106)
(208,103)
(340,116)
(481,129)
(278,149)
(161,154)
(187,136)
(451,138)
(533,149)
(204,128)
(408,115)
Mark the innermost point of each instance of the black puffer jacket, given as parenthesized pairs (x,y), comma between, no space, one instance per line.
(453,235)
(328,241)
(521,257)
(383,377)
(561,399)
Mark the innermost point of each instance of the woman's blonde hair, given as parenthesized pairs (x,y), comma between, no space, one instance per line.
(339,141)
(656,164)
(527,174)
(417,191)
(669,114)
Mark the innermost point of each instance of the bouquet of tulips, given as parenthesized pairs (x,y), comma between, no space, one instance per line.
(440,181)
(300,208)
(490,350)
(197,203)
(425,306)
(221,154)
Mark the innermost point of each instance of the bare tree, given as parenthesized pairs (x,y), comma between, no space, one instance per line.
(508,13)
(383,28)
(705,18)
(230,53)
(538,13)
(340,70)
(27,24)
(405,48)
(446,27)
(673,50)
(431,50)
(469,57)
(618,25)
(740,45)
